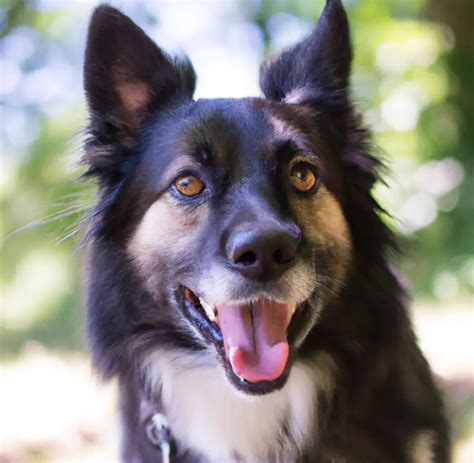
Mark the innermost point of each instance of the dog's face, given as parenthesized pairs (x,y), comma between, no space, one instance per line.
(230,212)
(243,231)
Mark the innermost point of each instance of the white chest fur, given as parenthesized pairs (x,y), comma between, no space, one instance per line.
(208,415)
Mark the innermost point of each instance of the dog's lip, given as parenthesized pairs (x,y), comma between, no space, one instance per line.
(198,316)
(206,317)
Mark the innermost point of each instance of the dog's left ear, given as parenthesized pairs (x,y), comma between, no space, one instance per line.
(316,69)
(126,76)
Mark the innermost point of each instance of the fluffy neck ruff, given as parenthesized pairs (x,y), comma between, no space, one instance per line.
(207,415)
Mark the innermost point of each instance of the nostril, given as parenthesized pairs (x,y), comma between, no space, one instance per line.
(283,256)
(247,258)
(278,256)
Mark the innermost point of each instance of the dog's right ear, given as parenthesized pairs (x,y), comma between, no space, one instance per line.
(126,77)
(315,70)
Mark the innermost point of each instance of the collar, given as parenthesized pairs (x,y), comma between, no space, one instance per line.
(157,429)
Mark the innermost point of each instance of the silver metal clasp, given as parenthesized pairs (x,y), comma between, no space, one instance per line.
(158,433)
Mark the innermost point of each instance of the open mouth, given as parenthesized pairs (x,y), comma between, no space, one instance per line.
(252,338)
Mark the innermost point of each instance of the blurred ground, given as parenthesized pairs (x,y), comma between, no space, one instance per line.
(55,410)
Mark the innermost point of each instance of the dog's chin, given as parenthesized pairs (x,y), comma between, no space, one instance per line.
(250,379)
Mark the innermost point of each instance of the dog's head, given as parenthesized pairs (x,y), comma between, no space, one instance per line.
(222,225)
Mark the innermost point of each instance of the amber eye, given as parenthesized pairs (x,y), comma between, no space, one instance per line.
(189,185)
(303,177)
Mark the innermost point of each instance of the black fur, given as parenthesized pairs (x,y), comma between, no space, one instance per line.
(384,394)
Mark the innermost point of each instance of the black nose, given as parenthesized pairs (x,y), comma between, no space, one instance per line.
(262,252)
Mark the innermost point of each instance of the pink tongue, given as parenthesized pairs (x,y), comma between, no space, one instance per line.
(255,338)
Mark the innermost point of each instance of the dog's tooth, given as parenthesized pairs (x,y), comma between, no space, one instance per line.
(209,309)
(293,308)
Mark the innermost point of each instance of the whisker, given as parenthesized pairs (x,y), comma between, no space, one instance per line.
(72,210)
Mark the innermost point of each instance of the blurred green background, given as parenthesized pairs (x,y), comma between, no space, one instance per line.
(413,81)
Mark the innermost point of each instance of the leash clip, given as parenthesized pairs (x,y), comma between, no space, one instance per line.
(159,435)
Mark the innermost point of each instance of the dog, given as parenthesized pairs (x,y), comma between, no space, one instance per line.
(238,274)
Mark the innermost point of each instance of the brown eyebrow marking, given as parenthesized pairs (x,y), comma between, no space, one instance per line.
(287,133)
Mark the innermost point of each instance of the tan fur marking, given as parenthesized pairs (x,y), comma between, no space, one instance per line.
(323,223)
(331,226)
(166,229)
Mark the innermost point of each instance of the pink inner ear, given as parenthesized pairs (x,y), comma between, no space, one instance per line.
(134,95)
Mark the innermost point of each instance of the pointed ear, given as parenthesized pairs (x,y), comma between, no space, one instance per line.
(126,75)
(316,69)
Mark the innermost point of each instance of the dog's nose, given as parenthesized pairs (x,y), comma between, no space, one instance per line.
(262,252)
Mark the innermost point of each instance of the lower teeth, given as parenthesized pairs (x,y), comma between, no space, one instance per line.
(209,309)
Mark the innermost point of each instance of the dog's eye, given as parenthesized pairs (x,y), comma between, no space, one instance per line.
(303,177)
(189,185)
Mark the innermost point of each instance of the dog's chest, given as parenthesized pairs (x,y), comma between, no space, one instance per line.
(208,416)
